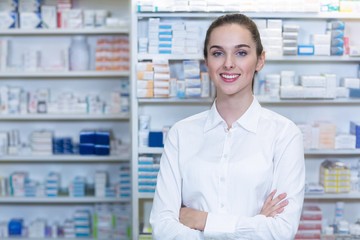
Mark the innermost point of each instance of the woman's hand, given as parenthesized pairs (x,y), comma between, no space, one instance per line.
(274,206)
(193,218)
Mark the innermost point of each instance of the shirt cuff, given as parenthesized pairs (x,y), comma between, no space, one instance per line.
(219,224)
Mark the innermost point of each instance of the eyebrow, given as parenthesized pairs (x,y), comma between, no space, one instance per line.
(237,46)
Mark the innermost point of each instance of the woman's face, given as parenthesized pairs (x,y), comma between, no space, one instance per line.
(232,60)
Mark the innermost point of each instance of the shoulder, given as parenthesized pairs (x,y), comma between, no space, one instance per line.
(279,122)
(193,122)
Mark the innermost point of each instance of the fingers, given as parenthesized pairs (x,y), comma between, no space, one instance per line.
(274,206)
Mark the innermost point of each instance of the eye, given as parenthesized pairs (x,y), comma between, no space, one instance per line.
(217,53)
(241,53)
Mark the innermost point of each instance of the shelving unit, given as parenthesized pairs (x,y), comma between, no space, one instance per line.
(300,110)
(68,74)
(61,208)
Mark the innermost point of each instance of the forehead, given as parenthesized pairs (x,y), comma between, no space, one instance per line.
(230,34)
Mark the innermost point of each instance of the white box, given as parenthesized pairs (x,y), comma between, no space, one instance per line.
(30,20)
(322,50)
(8,20)
(49,17)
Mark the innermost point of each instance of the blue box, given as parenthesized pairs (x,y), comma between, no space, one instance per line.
(156,139)
(87,149)
(87,136)
(15,227)
(354,92)
(102,137)
(306,50)
(102,149)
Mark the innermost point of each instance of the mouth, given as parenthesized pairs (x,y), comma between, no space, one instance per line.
(228,77)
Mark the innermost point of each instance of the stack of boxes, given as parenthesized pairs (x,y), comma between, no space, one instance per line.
(321,44)
(41,142)
(63,145)
(355,130)
(336,30)
(112,54)
(350,87)
(145,80)
(311,86)
(272,85)
(171,38)
(310,223)
(94,142)
(122,221)
(326,133)
(271,36)
(103,219)
(335,177)
(161,78)
(77,187)
(82,224)
(69,229)
(124,187)
(52,184)
(31,188)
(4,45)
(9,14)
(101,182)
(17,183)
(29,13)
(160,37)
(322,135)
(192,79)
(290,39)
(37,229)
(148,171)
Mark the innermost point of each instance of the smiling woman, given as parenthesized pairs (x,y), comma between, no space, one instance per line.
(222,169)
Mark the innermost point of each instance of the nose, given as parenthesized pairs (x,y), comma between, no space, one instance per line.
(229,63)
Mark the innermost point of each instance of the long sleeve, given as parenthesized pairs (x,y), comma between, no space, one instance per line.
(164,216)
(289,177)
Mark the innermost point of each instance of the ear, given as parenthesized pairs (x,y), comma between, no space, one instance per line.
(260,62)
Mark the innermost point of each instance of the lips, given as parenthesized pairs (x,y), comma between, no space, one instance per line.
(229,77)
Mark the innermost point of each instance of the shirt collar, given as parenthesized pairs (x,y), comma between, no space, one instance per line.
(249,120)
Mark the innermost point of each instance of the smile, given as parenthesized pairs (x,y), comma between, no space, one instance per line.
(229,77)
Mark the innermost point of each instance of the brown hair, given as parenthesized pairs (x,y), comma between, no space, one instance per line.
(236,18)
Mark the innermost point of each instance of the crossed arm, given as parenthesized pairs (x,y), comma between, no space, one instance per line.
(196,219)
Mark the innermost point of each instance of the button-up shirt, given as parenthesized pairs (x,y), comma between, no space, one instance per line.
(229,172)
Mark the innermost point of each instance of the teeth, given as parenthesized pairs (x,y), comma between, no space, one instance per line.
(229,76)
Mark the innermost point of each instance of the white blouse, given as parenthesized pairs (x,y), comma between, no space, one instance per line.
(229,174)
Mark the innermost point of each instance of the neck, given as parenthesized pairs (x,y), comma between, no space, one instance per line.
(232,108)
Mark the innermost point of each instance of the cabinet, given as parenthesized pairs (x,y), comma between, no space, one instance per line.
(62,83)
(340,111)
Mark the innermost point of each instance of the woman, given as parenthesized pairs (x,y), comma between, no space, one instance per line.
(221,167)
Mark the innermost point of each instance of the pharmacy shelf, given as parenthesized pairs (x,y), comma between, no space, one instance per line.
(297,58)
(325,152)
(50,200)
(206,101)
(65,74)
(278,15)
(65,159)
(338,101)
(48,238)
(65,117)
(334,196)
(319,152)
(262,99)
(150,150)
(87,31)
(355,196)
